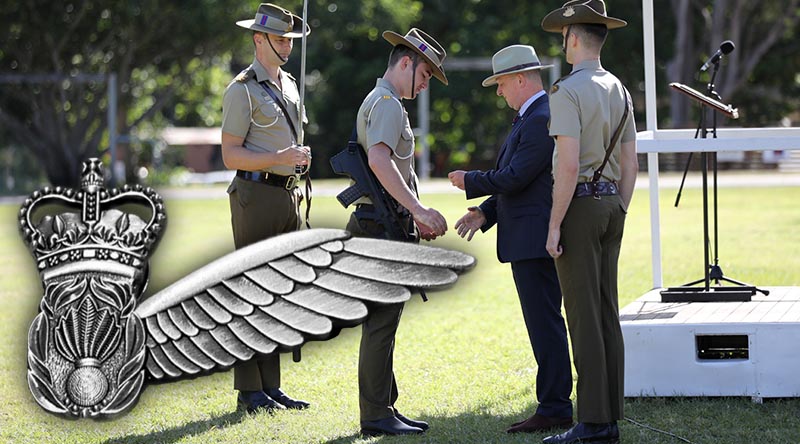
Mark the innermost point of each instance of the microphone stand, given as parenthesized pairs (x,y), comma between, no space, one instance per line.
(688,292)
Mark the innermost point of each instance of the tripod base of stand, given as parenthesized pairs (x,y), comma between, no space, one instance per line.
(712,294)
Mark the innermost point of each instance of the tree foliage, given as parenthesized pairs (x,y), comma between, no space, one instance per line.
(758,29)
(174,59)
(156,49)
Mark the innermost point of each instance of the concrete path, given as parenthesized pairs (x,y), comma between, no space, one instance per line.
(331,187)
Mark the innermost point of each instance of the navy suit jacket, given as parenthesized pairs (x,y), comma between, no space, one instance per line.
(520,186)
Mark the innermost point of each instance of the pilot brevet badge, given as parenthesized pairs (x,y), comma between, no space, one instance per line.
(94,346)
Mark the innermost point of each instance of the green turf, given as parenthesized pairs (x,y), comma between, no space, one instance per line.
(463,360)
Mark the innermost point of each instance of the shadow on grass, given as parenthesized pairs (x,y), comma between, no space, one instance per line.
(479,426)
(176,434)
(655,421)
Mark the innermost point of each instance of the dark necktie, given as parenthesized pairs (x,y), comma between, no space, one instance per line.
(516,119)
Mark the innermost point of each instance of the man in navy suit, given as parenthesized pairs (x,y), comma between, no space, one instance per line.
(520,189)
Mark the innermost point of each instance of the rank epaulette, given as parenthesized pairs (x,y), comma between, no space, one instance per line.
(554,88)
(247,74)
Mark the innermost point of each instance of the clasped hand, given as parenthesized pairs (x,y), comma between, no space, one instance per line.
(457,179)
(295,155)
(431,223)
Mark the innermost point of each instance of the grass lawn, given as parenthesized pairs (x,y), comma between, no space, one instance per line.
(463,360)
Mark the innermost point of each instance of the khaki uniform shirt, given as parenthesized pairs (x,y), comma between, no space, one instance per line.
(382,118)
(249,112)
(588,105)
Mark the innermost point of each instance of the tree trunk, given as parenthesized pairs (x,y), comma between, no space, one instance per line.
(678,68)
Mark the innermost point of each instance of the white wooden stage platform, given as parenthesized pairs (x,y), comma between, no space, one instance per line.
(713,349)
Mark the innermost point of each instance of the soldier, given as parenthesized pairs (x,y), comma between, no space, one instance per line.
(384,131)
(260,110)
(594,177)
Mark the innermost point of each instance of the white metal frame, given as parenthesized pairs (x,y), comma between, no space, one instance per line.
(654,140)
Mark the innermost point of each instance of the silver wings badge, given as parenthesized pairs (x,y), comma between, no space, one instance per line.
(93,347)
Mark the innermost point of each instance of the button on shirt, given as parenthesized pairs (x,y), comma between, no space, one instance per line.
(248,111)
(588,105)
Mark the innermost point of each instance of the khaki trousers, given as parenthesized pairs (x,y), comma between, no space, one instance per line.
(260,211)
(377,387)
(591,235)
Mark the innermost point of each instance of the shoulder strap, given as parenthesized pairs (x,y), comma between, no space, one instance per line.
(554,88)
(245,75)
(383,97)
(298,169)
(283,108)
(599,172)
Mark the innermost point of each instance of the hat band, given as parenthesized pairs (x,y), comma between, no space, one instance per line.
(517,68)
(425,49)
(271,22)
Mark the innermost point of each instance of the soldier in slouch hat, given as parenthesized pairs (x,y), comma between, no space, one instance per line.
(260,125)
(594,171)
(383,129)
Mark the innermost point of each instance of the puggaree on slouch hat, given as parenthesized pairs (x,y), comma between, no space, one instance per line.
(580,11)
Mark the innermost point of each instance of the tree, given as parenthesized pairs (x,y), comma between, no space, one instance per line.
(174,59)
(346,53)
(156,48)
(754,27)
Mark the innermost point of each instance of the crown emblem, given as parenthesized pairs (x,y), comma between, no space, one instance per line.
(86,347)
(92,228)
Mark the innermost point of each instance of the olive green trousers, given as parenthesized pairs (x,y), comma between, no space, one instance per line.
(260,211)
(591,235)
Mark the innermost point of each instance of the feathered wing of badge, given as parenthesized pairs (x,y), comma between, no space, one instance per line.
(93,347)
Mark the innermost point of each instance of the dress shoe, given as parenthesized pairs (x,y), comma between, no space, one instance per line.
(387,426)
(422,425)
(252,402)
(583,432)
(278,395)
(539,423)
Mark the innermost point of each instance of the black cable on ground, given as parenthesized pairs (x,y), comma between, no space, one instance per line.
(645,426)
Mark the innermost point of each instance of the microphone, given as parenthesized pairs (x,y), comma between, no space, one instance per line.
(725,48)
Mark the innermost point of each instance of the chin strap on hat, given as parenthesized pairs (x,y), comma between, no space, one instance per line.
(414,63)
(566,38)
(269,42)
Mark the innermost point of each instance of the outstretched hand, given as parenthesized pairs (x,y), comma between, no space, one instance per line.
(470,222)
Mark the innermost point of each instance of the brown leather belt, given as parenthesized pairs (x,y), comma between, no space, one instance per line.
(285,182)
(598,189)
